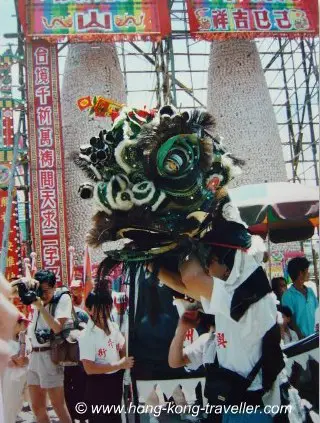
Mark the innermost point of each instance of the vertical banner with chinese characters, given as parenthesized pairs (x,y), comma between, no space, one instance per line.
(222,19)
(49,224)
(13,265)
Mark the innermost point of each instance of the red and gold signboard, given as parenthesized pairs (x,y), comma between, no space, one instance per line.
(49,231)
(13,265)
(223,19)
(85,21)
(7,127)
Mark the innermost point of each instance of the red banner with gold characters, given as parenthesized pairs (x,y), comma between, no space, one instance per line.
(13,265)
(7,127)
(49,223)
(223,19)
(99,21)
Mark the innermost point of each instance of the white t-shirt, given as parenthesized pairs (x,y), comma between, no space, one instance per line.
(63,311)
(95,345)
(201,351)
(239,343)
(288,339)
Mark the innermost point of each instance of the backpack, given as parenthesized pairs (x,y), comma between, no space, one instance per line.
(65,345)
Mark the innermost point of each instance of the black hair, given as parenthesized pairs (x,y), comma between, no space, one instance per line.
(207,320)
(99,301)
(224,255)
(297,265)
(45,276)
(285,310)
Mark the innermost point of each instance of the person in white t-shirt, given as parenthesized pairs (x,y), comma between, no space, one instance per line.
(103,355)
(14,379)
(44,377)
(232,285)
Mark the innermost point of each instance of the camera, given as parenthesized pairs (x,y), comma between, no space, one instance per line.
(28,296)
(43,335)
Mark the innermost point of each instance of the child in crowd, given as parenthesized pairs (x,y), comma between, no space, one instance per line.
(287,335)
(279,286)
(103,355)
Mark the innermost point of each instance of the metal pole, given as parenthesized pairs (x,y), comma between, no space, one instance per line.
(174,80)
(270,258)
(124,68)
(131,272)
(22,84)
(292,141)
(309,107)
(315,266)
(173,72)
(6,230)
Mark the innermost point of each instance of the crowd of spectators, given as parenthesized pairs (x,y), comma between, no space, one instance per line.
(25,360)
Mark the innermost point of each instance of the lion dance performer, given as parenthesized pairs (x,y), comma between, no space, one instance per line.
(159,182)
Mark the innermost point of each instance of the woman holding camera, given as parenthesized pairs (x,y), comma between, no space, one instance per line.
(103,354)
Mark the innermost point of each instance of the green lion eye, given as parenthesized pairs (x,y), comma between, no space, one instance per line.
(178,156)
(174,163)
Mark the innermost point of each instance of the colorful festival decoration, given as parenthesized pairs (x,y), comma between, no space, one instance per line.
(7,103)
(13,265)
(154,178)
(276,265)
(7,59)
(7,127)
(5,170)
(80,21)
(49,231)
(100,106)
(6,137)
(223,19)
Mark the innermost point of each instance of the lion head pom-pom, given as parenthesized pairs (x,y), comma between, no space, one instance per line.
(148,174)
